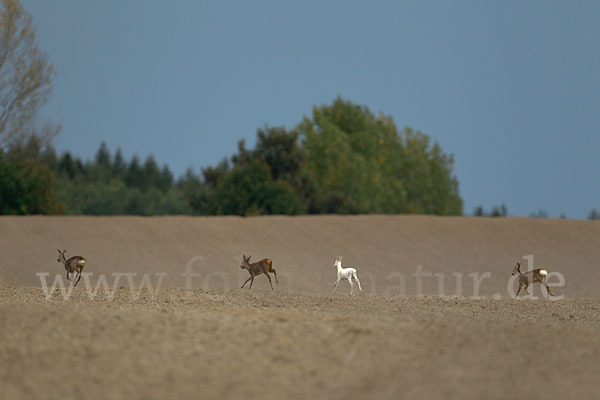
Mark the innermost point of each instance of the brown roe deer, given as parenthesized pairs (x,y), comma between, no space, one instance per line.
(263,266)
(73,265)
(531,277)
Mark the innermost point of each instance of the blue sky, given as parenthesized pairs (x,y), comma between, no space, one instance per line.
(511,88)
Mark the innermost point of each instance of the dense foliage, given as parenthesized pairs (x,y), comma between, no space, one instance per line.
(26,187)
(361,163)
(342,160)
(110,185)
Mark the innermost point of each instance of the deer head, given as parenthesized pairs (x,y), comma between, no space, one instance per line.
(517,269)
(61,255)
(245,262)
(337,260)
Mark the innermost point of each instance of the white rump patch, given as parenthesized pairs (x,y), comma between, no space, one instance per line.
(543,272)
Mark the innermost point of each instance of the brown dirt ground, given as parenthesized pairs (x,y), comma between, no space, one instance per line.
(217,341)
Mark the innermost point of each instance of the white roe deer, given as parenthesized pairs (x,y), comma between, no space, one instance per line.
(263,266)
(345,273)
(72,265)
(531,277)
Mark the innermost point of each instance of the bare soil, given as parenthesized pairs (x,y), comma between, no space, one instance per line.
(299,341)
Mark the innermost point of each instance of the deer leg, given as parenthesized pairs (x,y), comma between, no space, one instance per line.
(357,281)
(545,284)
(270,282)
(246,282)
(351,284)
(526,292)
(335,285)
(518,291)
(78,277)
(275,273)
(251,281)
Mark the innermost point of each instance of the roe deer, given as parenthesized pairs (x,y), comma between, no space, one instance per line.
(531,277)
(263,266)
(72,265)
(345,273)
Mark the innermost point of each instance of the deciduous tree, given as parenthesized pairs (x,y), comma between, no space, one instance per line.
(25,78)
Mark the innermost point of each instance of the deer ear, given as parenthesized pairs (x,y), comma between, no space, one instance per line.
(518,264)
(249,258)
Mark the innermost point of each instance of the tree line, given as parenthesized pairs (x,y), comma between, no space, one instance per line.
(344,159)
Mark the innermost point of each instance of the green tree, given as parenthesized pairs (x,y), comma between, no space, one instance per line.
(134,175)
(194,191)
(118,165)
(69,167)
(281,151)
(360,163)
(26,187)
(250,190)
(109,185)
(496,211)
(103,156)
